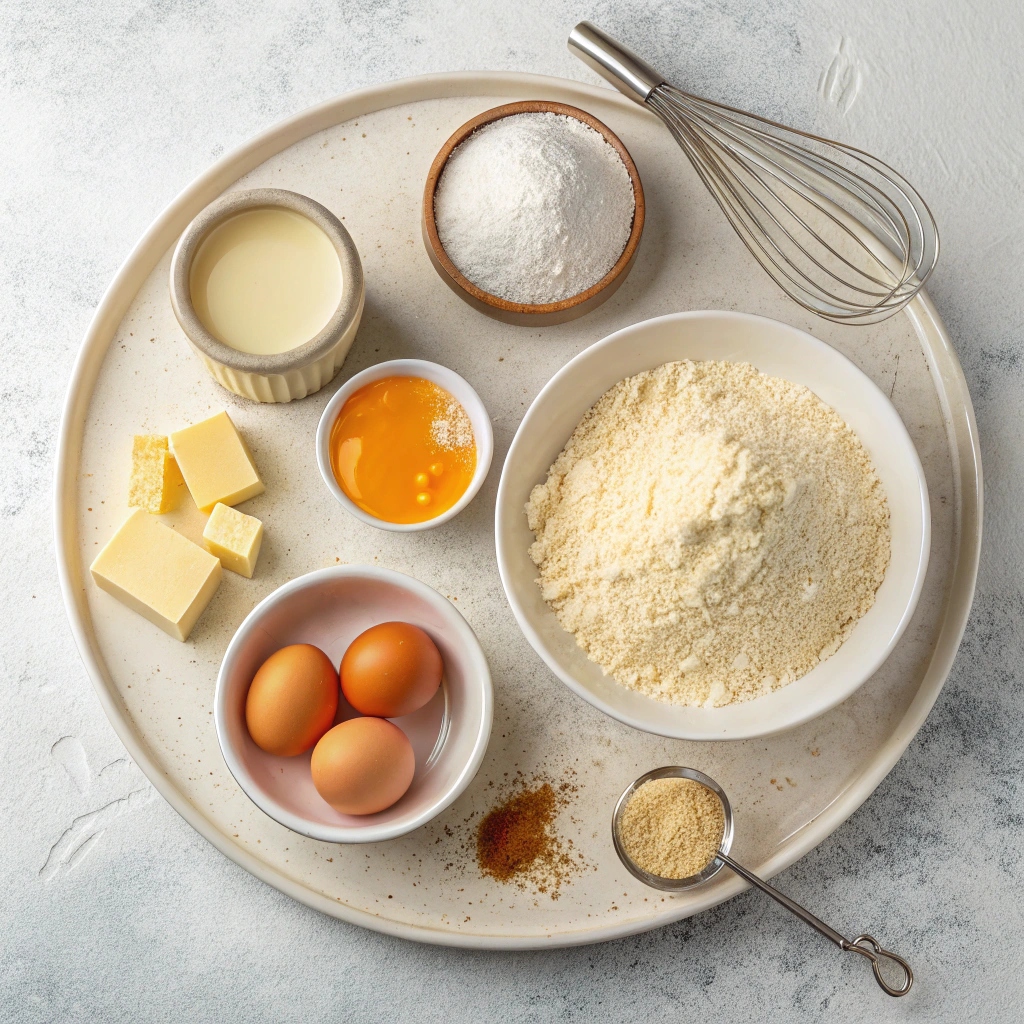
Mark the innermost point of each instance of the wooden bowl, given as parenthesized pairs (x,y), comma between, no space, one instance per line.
(530,314)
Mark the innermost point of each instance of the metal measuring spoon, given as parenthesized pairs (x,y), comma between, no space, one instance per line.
(865,945)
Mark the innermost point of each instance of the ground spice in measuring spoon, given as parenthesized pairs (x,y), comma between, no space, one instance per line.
(672,828)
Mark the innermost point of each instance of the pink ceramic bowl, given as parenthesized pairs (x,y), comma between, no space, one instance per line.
(330,608)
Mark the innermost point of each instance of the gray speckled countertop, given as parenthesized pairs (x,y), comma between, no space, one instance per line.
(106,112)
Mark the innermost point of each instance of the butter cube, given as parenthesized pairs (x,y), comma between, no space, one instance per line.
(158,573)
(215,463)
(156,483)
(234,538)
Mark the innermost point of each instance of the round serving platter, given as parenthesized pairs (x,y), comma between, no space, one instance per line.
(365,157)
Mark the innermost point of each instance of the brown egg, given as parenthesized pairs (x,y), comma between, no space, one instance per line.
(292,700)
(363,765)
(391,670)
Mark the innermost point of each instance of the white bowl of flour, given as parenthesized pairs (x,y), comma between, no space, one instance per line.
(779,351)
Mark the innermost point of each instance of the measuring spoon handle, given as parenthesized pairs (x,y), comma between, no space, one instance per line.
(865,945)
(868,947)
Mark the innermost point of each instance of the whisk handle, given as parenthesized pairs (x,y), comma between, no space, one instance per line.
(612,61)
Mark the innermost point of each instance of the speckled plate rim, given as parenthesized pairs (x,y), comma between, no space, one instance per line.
(947,377)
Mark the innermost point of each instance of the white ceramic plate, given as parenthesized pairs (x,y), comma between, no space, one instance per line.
(329,609)
(365,157)
(781,351)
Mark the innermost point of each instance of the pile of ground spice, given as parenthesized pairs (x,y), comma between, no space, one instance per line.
(672,828)
(516,841)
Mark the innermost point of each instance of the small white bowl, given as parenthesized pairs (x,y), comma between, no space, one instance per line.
(329,608)
(455,385)
(776,349)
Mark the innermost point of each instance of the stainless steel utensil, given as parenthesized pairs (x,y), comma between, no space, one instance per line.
(881,959)
(841,232)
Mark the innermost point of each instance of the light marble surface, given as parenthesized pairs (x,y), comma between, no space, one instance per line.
(106,112)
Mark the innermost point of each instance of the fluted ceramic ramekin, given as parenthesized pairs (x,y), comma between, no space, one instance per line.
(282,376)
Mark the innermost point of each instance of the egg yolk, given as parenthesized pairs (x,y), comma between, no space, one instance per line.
(403,450)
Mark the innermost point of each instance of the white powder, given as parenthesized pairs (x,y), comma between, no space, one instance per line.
(451,427)
(709,533)
(534,208)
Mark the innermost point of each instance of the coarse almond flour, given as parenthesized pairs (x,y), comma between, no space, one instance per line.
(709,533)
(672,828)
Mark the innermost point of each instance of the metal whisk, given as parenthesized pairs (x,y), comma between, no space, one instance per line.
(840,232)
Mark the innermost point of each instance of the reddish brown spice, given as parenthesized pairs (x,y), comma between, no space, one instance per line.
(517,833)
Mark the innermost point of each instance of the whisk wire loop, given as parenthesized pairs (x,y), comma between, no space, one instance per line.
(840,231)
(732,184)
(728,191)
(771,189)
(874,198)
(779,171)
(865,284)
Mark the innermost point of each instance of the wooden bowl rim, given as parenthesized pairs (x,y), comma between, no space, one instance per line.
(496,114)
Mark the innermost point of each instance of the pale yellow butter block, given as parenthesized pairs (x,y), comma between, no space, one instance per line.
(158,573)
(156,483)
(234,538)
(215,463)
